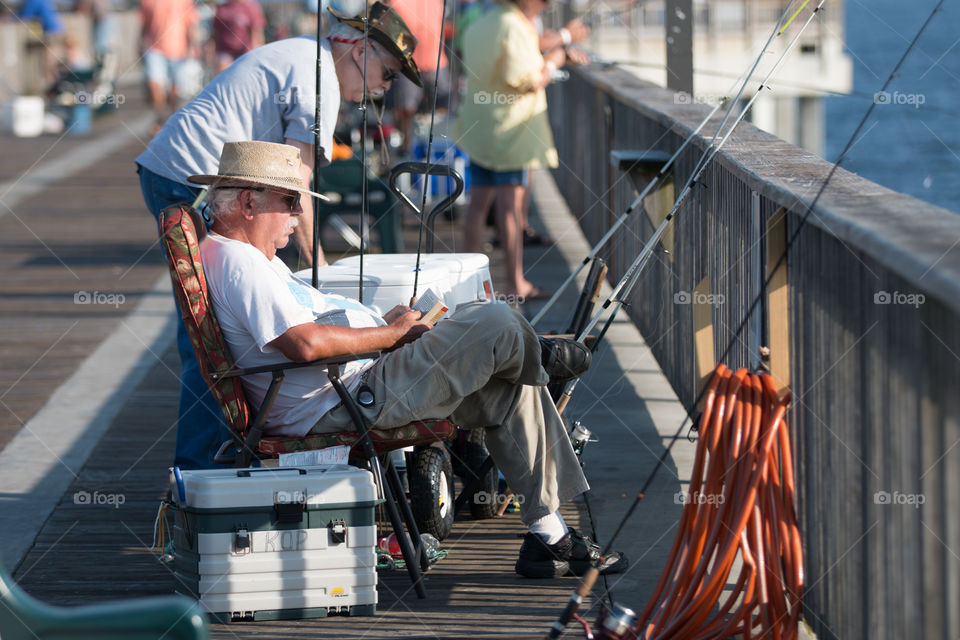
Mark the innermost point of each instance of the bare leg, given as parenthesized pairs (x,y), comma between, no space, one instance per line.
(509,208)
(158,102)
(476,221)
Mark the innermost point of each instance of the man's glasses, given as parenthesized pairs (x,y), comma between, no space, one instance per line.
(291,199)
(389,75)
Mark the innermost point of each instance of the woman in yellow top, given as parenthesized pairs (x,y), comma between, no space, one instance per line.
(503,124)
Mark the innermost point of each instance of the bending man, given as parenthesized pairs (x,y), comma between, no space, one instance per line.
(267,94)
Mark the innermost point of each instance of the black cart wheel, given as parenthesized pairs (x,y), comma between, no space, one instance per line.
(483,503)
(431,491)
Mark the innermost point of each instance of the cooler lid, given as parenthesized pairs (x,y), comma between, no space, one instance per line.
(379,270)
(264,487)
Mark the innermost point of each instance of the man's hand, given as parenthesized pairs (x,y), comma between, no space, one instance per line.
(396,312)
(577,57)
(578,30)
(407,325)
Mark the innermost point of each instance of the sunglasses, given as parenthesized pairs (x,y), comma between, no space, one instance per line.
(389,75)
(292,200)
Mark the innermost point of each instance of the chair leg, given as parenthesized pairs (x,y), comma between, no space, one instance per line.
(397,489)
(406,548)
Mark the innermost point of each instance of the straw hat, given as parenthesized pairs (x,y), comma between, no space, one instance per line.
(388,29)
(258,164)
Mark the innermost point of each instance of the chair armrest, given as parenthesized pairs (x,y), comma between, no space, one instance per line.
(283,366)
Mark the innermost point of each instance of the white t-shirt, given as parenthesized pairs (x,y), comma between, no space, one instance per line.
(256,300)
(268,94)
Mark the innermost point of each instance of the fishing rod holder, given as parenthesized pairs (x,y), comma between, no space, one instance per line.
(639,165)
(427,169)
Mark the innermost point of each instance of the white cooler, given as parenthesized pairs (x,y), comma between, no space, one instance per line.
(468,273)
(276,543)
(384,285)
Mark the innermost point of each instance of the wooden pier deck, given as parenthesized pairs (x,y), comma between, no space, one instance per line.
(89,232)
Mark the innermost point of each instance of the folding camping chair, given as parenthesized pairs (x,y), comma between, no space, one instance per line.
(23,617)
(181,231)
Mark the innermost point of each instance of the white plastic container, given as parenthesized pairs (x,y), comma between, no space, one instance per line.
(276,543)
(23,116)
(386,283)
(468,273)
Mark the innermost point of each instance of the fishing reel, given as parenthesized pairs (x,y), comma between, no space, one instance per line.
(615,623)
(579,437)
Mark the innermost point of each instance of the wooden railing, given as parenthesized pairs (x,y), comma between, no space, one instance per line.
(869,338)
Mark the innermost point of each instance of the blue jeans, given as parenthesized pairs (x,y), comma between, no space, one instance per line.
(201,428)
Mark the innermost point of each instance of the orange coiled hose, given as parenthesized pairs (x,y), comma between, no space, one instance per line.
(741,504)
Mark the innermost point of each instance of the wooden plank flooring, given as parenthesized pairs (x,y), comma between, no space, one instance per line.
(90,552)
(87,233)
(90,232)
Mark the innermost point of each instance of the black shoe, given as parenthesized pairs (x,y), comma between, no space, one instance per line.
(573,555)
(564,359)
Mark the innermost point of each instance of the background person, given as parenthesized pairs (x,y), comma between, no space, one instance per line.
(168,45)
(503,126)
(237,28)
(268,94)
(425,19)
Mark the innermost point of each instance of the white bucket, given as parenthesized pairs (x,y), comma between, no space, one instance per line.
(23,116)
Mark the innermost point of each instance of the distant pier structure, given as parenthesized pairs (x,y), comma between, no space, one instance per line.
(727,36)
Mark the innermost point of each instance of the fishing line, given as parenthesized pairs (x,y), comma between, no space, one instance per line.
(590,578)
(626,284)
(665,169)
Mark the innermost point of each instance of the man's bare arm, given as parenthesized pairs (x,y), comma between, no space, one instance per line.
(310,341)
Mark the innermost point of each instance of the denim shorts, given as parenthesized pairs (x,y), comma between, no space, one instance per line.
(483,177)
(166,71)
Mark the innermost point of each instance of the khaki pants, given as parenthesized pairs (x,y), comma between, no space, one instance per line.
(481,369)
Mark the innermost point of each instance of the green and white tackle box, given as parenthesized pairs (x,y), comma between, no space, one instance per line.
(276,543)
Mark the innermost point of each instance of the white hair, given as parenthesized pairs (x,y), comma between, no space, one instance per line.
(223,200)
(346,32)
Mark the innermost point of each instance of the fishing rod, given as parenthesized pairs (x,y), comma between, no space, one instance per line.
(429,159)
(363,147)
(317,114)
(590,578)
(665,169)
(618,296)
(624,287)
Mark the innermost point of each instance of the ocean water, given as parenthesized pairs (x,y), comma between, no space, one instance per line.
(911,143)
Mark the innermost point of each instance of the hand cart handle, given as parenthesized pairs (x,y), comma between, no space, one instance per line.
(432,169)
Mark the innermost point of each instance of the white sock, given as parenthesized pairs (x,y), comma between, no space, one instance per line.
(550,527)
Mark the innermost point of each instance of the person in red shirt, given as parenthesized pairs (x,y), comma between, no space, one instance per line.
(168,43)
(425,19)
(237,28)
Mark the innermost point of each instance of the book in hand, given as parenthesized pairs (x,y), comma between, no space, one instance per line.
(431,306)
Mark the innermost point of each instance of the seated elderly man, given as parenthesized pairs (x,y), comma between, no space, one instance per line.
(483,367)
